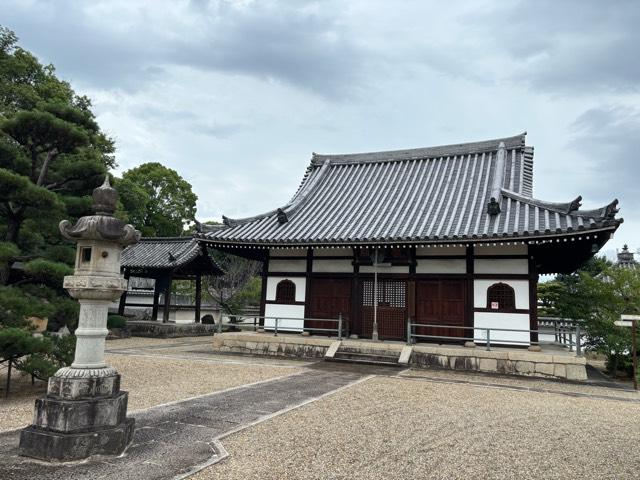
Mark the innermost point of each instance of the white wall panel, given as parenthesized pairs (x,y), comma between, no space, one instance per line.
(288,265)
(441,266)
(457,250)
(518,321)
(506,265)
(300,282)
(333,266)
(520,287)
(518,249)
(332,252)
(284,311)
(288,252)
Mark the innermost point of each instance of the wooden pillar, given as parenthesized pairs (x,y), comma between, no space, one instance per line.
(469,310)
(198,296)
(354,319)
(156,297)
(167,303)
(263,293)
(123,297)
(533,296)
(307,282)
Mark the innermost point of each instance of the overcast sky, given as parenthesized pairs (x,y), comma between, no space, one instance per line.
(235,95)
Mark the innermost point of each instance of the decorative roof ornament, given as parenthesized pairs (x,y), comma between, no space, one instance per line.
(493,207)
(103,225)
(611,210)
(228,221)
(575,204)
(282,216)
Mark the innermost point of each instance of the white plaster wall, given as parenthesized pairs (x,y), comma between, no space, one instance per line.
(300,283)
(284,311)
(383,270)
(519,321)
(333,252)
(520,287)
(517,249)
(333,266)
(506,265)
(288,252)
(287,265)
(457,250)
(441,266)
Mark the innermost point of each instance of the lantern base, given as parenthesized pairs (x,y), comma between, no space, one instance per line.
(77,418)
(66,447)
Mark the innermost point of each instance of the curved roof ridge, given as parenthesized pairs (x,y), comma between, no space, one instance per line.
(568,208)
(517,141)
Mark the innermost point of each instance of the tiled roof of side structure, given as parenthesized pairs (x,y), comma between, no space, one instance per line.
(419,195)
(162,253)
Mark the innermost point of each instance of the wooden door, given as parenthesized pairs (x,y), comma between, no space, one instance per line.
(391,312)
(441,302)
(328,298)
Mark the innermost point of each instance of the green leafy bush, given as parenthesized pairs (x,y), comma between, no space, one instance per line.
(42,364)
(16,304)
(47,272)
(116,321)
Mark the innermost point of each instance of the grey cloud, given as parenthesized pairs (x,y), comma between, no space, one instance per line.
(608,139)
(275,40)
(576,46)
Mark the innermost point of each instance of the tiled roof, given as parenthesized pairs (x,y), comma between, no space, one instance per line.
(421,195)
(163,253)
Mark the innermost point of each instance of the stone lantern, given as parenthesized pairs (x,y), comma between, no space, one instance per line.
(84,412)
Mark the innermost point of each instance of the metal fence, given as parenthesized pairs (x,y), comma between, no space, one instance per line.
(565,335)
(340,330)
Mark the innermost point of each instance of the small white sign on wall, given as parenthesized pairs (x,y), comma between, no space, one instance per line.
(495,305)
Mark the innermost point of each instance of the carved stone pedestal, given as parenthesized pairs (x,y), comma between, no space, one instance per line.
(79,417)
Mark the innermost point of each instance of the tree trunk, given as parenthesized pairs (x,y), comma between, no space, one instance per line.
(14,222)
(6,393)
(45,166)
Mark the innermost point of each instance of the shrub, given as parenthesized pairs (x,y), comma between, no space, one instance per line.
(47,272)
(16,304)
(116,321)
(43,364)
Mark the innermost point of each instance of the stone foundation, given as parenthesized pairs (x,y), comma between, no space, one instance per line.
(502,361)
(158,329)
(77,418)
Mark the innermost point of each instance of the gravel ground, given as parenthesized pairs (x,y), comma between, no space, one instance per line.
(388,428)
(134,342)
(528,382)
(150,381)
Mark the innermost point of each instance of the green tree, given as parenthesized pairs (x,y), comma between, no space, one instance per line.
(52,155)
(52,151)
(170,202)
(597,294)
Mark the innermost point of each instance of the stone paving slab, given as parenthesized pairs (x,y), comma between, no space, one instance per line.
(171,440)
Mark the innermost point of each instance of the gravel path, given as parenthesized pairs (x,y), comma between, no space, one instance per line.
(388,428)
(151,381)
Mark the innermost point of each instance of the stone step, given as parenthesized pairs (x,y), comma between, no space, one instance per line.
(386,355)
(364,362)
(386,359)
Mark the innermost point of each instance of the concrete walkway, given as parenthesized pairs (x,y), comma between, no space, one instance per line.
(175,440)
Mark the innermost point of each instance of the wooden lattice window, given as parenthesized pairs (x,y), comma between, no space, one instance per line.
(286,292)
(501,297)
